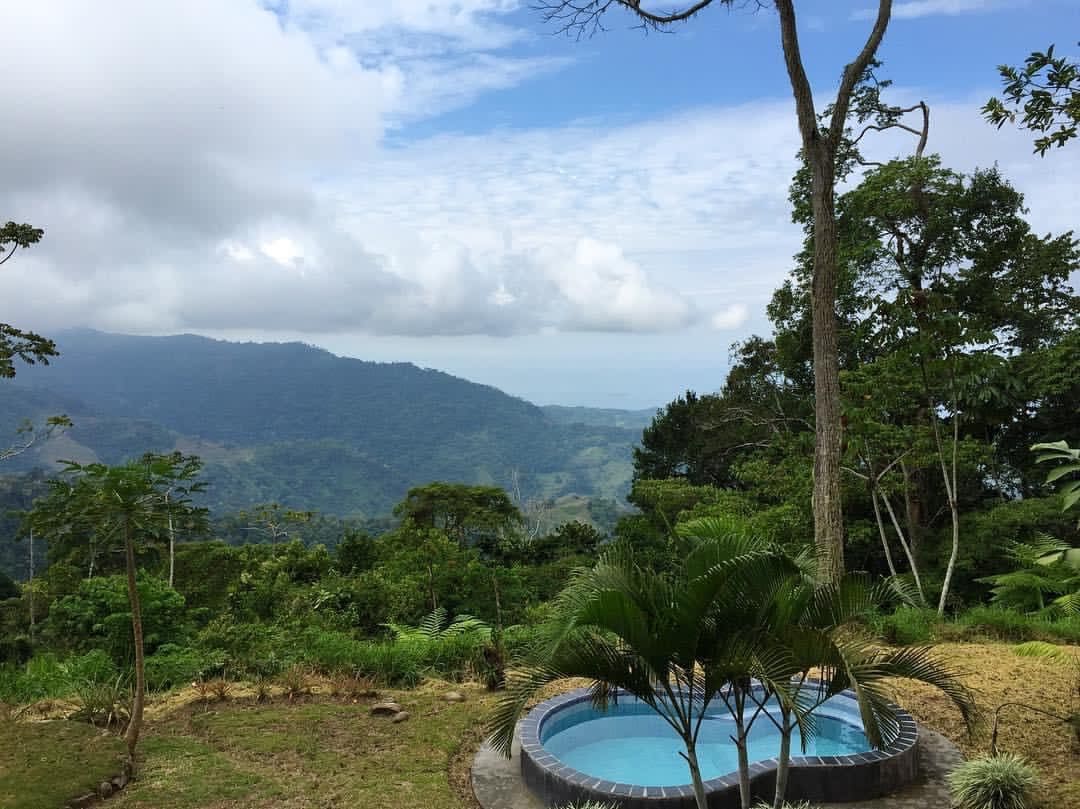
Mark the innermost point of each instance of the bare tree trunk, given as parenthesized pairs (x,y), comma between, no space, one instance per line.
(882,534)
(131,736)
(820,152)
(954,506)
(908,552)
(172,546)
(912,504)
(498,600)
(33,617)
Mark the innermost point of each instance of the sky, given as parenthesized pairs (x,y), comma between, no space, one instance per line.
(455,183)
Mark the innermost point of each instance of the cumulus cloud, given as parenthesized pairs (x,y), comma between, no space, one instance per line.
(731,317)
(914,9)
(206,166)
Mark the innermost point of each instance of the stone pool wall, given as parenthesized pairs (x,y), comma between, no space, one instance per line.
(860,776)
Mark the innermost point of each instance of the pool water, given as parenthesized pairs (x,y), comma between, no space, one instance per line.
(630,743)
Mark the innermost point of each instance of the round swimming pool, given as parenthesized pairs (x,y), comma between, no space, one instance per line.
(572,751)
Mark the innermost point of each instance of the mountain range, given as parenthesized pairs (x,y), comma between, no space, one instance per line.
(295,424)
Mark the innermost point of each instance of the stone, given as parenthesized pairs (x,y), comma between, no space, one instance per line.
(385,709)
(105,789)
(454,696)
(400,716)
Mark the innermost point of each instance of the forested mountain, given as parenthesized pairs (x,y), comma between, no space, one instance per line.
(299,425)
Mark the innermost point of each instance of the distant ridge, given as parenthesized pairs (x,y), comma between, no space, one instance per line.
(294,423)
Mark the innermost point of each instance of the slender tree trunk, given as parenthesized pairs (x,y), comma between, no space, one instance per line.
(33,617)
(908,552)
(431,588)
(882,534)
(954,507)
(498,600)
(740,749)
(172,542)
(131,736)
(695,774)
(912,504)
(783,760)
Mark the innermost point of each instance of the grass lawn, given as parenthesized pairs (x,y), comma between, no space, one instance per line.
(312,754)
(45,764)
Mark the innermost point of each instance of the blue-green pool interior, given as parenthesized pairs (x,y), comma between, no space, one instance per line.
(631,744)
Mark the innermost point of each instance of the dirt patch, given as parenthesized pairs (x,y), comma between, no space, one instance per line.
(997,675)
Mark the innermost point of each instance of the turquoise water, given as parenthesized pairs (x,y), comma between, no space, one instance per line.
(631,744)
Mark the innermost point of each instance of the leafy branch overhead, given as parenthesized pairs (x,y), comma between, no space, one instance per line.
(1067,462)
(1044,95)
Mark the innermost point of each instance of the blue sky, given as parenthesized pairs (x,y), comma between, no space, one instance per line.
(451,182)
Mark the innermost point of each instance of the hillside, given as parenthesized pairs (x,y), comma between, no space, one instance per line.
(297,424)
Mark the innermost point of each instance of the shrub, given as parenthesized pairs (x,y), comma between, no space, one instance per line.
(172,666)
(908,626)
(327,651)
(490,667)
(93,667)
(1009,625)
(397,664)
(1004,781)
(518,640)
(250,649)
(97,616)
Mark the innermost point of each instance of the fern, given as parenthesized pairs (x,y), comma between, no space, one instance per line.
(1040,649)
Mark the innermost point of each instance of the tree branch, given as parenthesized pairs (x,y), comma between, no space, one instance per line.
(854,71)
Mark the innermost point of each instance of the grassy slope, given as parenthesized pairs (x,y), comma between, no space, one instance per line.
(44,764)
(332,753)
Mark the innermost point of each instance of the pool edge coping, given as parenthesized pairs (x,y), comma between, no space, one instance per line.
(534,754)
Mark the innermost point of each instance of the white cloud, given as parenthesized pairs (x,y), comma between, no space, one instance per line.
(914,9)
(731,317)
(185,199)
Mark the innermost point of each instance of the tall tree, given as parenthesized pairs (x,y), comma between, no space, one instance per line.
(821,146)
(124,505)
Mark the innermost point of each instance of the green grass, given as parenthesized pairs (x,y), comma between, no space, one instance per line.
(45,764)
(308,754)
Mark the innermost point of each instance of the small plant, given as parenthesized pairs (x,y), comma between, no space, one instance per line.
(220,688)
(263,689)
(352,687)
(1004,781)
(295,682)
(1039,649)
(490,666)
(104,704)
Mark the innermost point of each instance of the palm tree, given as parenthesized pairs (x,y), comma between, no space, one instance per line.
(673,641)
(807,628)
(740,621)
